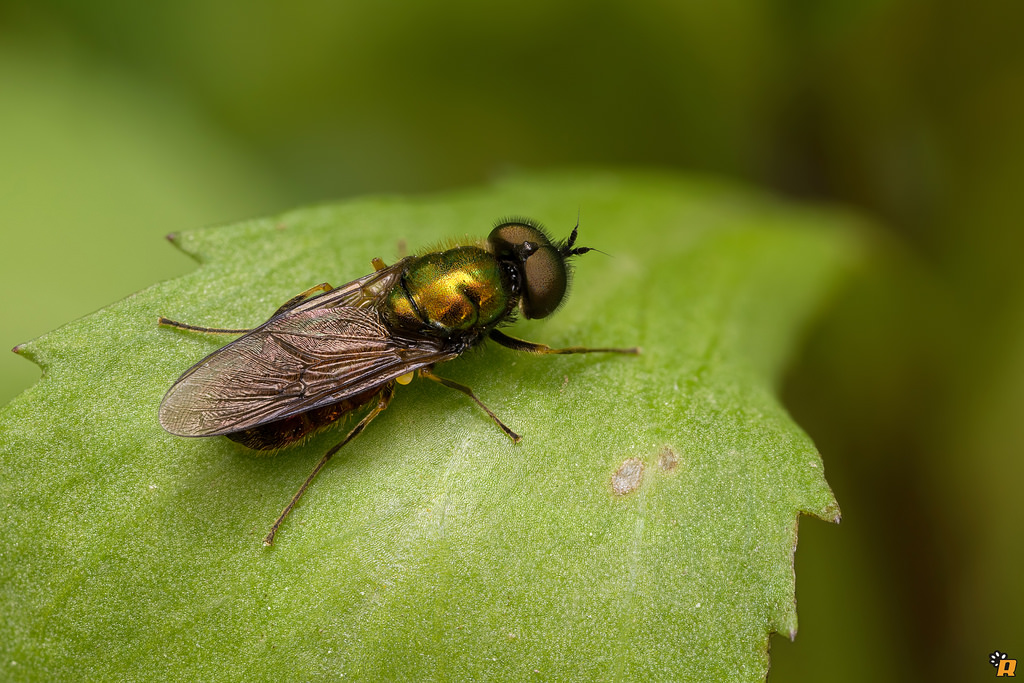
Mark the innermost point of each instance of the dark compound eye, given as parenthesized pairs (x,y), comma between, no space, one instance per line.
(546,280)
(543,269)
(515,238)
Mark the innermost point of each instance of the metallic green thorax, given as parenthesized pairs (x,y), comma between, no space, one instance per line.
(459,290)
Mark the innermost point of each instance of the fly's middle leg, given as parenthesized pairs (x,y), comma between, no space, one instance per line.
(429,374)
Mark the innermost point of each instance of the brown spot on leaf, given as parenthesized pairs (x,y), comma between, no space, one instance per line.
(627,478)
(668,459)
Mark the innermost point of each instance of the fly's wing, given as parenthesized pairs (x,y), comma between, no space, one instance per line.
(293,363)
(360,293)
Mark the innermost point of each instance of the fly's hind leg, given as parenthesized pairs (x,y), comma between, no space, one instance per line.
(167,322)
(291,303)
(299,298)
(530,347)
(429,374)
(384,398)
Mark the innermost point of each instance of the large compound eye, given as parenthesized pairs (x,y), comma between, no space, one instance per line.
(544,275)
(546,280)
(508,239)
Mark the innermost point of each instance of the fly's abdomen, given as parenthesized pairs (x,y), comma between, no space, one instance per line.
(284,432)
(457,290)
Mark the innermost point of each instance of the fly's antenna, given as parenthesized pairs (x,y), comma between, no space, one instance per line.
(567,250)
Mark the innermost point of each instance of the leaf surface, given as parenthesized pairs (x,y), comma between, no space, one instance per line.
(643,528)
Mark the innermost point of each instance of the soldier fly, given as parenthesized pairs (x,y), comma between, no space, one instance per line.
(330,351)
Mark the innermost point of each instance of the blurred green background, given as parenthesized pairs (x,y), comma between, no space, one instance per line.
(122,121)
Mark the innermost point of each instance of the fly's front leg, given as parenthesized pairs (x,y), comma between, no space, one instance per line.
(429,374)
(530,347)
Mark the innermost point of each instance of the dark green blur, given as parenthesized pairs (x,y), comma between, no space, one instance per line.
(122,121)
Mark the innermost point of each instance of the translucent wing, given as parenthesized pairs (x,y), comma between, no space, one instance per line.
(360,293)
(298,360)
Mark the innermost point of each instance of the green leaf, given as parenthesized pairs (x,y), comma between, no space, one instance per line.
(644,528)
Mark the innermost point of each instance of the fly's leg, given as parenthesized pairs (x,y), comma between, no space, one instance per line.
(378,263)
(517,345)
(167,322)
(291,303)
(382,403)
(530,347)
(429,374)
(299,298)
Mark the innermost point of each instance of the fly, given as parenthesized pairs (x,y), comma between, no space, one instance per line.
(331,351)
